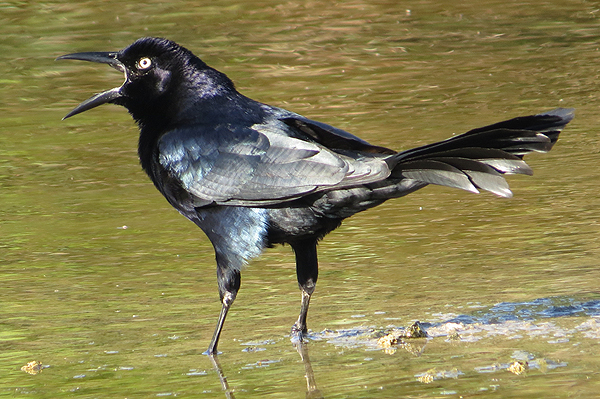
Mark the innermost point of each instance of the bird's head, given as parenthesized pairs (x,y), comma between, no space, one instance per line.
(160,75)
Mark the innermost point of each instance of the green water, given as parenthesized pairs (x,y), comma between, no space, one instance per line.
(115,292)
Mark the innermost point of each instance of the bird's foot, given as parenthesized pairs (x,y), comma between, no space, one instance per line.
(210,353)
(299,334)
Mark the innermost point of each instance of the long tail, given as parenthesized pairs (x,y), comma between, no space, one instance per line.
(479,158)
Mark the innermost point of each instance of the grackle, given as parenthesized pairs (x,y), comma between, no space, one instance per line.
(251,175)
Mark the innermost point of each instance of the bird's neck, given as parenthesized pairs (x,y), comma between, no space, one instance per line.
(193,111)
(147,149)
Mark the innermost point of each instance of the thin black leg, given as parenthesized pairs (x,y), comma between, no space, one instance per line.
(307,271)
(229,284)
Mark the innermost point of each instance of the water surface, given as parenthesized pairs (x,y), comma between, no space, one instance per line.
(115,293)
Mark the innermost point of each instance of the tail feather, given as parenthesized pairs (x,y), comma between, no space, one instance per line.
(481,175)
(435,171)
(500,160)
(478,159)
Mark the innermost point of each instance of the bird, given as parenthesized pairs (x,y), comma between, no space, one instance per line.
(252,175)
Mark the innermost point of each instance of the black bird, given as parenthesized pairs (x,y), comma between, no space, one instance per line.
(251,175)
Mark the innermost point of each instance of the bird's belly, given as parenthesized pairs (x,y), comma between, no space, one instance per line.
(296,223)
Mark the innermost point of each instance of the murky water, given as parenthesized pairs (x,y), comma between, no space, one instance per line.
(115,294)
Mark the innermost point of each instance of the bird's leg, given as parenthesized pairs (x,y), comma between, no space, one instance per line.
(307,271)
(229,280)
(227,301)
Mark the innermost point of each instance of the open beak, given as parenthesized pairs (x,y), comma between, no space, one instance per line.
(108,96)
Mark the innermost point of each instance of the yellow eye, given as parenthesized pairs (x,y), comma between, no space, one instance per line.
(144,63)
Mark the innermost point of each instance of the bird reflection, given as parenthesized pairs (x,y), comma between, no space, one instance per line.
(312,392)
(224,384)
(411,340)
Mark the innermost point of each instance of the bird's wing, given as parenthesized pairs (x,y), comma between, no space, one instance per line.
(258,165)
(332,137)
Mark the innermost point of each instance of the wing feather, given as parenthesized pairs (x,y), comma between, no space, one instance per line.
(259,165)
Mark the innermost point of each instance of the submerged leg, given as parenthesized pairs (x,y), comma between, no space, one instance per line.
(307,271)
(229,280)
